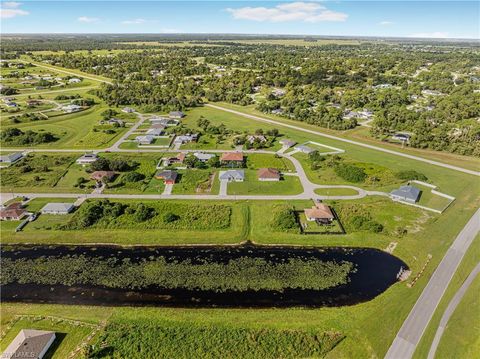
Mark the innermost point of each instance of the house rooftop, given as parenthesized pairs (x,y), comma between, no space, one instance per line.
(29,343)
(268,173)
(232,156)
(167,175)
(319,211)
(57,207)
(409,192)
(232,175)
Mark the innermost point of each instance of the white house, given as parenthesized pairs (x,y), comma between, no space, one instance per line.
(176,114)
(57,208)
(11,158)
(154,132)
(232,176)
(185,138)
(71,108)
(86,159)
(74,80)
(304,149)
(128,110)
(144,140)
(204,157)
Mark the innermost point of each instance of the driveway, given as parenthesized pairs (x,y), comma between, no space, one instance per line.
(223,188)
(168,190)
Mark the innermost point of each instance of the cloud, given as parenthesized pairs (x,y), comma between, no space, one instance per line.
(134,21)
(435,34)
(386,23)
(294,11)
(11,4)
(87,19)
(10,9)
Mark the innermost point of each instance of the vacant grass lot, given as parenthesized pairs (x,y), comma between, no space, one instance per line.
(261,160)
(192,179)
(36,172)
(288,185)
(336,191)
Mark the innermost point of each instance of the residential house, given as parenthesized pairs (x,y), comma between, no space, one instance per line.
(11,158)
(164,121)
(86,159)
(285,142)
(144,140)
(232,176)
(320,213)
(154,132)
(176,114)
(29,343)
(232,159)
(158,126)
(268,174)
(408,194)
(203,157)
(128,110)
(181,139)
(13,212)
(304,149)
(100,175)
(168,176)
(74,80)
(11,104)
(71,108)
(31,103)
(115,121)
(277,111)
(57,208)
(279,92)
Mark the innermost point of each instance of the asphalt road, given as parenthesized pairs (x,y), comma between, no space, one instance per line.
(376,148)
(417,321)
(450,309)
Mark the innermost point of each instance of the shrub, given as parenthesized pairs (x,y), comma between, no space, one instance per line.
(409,175)
(350,172)
(170,217)
(284,219)
(143,213)
(133,177)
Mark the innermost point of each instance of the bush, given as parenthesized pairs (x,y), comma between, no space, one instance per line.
(409,175)
(170,217)
(350,172)
(360,222)
(133,177)
(143,213)
(284,219)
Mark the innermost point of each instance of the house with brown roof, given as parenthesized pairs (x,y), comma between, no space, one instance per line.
(100,175)
(169,161)
(268,174)
(29,343)
(320,213)
(232,159)
(13,212)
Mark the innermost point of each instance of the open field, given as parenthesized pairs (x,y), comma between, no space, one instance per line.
(287,185)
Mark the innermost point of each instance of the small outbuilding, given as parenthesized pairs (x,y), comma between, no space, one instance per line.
(408,194)
(57,208)
(268,174)
(29,343)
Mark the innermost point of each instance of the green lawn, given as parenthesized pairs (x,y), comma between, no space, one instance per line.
(336,191)
(261,160)
(288,185)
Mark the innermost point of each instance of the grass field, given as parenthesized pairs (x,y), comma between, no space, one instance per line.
(190,180)
(336,191)
(288,185)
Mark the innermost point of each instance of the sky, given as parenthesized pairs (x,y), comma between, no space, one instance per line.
(439,19)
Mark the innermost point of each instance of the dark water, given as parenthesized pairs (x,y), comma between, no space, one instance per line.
(375,272)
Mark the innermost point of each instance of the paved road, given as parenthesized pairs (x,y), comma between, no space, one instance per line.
(450,309)
(417,321)
(376,148)
(79,73)
(116,145)
(40,92)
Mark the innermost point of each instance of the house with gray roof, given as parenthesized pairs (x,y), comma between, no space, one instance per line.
(144,140)
(304,149)
(232,176)
(57,208)
(11,158)
(176,114)
(408,194)
(29,343)
(285,142)
(204,157)
(86,159)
